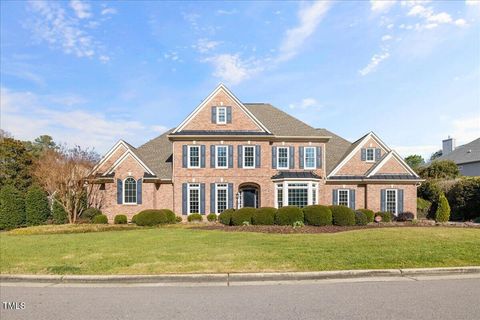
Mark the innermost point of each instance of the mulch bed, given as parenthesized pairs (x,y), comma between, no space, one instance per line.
(313,229)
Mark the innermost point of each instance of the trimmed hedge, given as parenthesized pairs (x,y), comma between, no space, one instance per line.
(343,216)
(152,217)
(288,215)
(90,213)
(241,215)
(120,219)
(369,213)
(100,219)
(37,209)
(360,218)
(386,216)
(12,208)
(197,217)
(134,219)
(59,215)
(443,210)
(463,199)
(212,217)
(264,216)
(178,219)
(226,217)
(318,215)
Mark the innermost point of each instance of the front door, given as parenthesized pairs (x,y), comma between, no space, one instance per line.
(249,197)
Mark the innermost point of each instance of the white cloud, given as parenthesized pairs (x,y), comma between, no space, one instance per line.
(472,2)
(465,129)
(108,11)
(431,19)
(381,5)
(104,58)
(374,62)
(226,12)
(82,9)
(232,69)
(387,37)
(460,22)
(53,25)
(310,17)
(306,103)
(204,45)
(55,116)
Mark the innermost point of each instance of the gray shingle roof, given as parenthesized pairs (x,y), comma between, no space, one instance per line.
(336,149)
(377,177)
(157,155)
(466,153)
(220,132)
(296,175)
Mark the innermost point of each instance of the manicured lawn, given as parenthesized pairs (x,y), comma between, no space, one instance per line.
(179,250)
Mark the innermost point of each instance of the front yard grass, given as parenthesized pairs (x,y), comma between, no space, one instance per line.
(183,250)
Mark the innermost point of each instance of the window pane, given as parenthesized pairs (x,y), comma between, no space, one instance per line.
(391,201)
(309,157)
(130,191)
(222,156)
(279,196)
(249,157)
(222,115)
(343,198)
(194,156)
(370,153)
(282,158)
(221,198)
(298,197)
(194,199)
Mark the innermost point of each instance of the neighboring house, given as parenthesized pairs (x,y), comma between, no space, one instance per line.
(229,154)
(467,157)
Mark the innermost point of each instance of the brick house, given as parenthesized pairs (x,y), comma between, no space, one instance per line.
(229,154)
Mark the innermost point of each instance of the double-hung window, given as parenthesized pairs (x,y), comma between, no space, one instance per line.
(130,191)
(310,157)
(221,197)
(222,157)
(391,201)
(194,156)
(370,154)
(221,115)
(249,156)
(279,187)
(343,197)
(193,200)
(282,158)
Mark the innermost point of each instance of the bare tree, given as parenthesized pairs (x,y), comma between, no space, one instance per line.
(62,174)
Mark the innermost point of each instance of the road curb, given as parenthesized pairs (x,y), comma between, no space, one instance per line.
(239,277)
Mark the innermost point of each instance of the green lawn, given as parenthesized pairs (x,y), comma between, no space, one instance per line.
(183,250)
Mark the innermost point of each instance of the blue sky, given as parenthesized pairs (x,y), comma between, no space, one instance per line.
(90,73)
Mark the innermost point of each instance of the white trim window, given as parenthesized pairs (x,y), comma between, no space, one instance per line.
(193,198)
(370,154)
(221,197)
(193,156)
(296,193)
(283,157)
(391,201)
(343,197)
(221,115)
(129,191)
(249,157)
(310,157)
(221,155)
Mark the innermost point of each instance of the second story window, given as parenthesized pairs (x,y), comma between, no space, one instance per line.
(222,157)
(221,115)
(248,156)
(310,156)
(194,156)
(282,158)
(370,154)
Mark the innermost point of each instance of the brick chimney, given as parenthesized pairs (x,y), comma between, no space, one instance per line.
(448,145)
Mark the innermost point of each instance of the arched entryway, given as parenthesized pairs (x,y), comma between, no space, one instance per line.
(248,195)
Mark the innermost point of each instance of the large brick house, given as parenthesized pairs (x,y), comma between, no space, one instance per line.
(229,154)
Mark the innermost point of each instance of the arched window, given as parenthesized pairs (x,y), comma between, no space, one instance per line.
(129,190)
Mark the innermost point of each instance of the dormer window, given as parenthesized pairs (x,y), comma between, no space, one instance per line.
(370,153)
(221,115)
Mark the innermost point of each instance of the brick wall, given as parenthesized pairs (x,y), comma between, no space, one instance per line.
(355,166)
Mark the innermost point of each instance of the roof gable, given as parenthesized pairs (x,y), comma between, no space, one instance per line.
(391,163)
(221,96)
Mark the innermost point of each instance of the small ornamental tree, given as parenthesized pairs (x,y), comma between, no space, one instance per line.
(443,210)
(37,208)
(12,208)
(59,215)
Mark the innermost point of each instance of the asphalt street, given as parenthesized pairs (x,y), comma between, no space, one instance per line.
(393,299)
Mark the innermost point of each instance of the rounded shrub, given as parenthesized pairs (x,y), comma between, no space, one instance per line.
(386,216)
(342,216)
(226,217)
(360,218)
(12,208)
(242,215)
(369,213)
(120,219)
(288,215)
(134,219)
(171,217)
(405,216)
(150,217)
(178,219)
(37,209)
(90,213)
(264,216)
(443,211)
(318,215)
(100,219)
(194,217)
(59,215)
(212,217)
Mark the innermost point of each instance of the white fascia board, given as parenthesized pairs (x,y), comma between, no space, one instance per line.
(391,154)
(123,157)
(109,154)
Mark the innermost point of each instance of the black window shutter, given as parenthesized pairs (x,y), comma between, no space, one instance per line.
(230,195)
(364,154)
(229,114)
(383,204)
(184,199)
(184,156)
(212,197)
(400,201)
(257,156)
(335,197)
(292,157)
(319,157)
(240,155)
(212,156)
(274,157)
(214,114)
(139,191)
(202,198)
(230,156)
(202,156)
(119,191)
(378,153)
(301,155)
(352,199)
